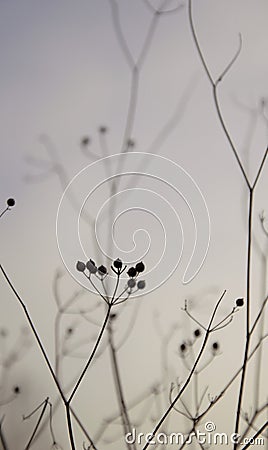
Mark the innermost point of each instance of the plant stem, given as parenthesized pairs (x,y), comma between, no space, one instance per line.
(105,322)
(81,426)
(69,425)
(119,388)
(41,347)
(253,438)
(248,333)
(32,326)
(2,437)
(3,212)
(192,371)
(251,189)
(37,425)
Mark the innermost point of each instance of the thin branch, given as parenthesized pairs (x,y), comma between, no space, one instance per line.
(160,11)
(250,422)
(231,63)
(254,437)
(260,168)
(132,322)
(185,309)
(83,429)
(42,349)
(225,318)
(120,35)
(225,389)
(248,333)
(214,85)
(250,206)
(95,287)
(258,315)
(187,415)
(44,404)
(169,409)
(2,436)
(4,211)
(105,322)
(119,388)
(196,41)
(32,326)
(227,134)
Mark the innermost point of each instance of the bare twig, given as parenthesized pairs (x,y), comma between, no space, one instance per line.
(206,336)
(2,436)
(251,189)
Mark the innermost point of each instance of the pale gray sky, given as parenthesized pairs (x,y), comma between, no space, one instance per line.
(63,74)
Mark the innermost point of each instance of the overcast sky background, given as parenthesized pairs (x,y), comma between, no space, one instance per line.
(63,75)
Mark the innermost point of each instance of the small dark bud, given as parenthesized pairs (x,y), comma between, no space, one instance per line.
(91,266)
(141,284)
(80,266)
(118,263)
(263,102)
(132,272)
(197,332)
(16,390)
(182,348)
(130,143)
(131,283)
(103,129)
(85,141)
(113,316)
(10,202)
(102,270)
(3,332)
(70,331)
(239,302)
(215,346)
(140,267)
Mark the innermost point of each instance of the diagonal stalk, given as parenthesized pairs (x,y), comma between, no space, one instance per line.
(119,388)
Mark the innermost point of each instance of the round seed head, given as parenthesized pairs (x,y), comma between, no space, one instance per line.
(132,272)
(102,270)
(141,284)
(80,266)
(118,263)
(10,202)
(140,267)
(91,266)
(131,283)
(239,302)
